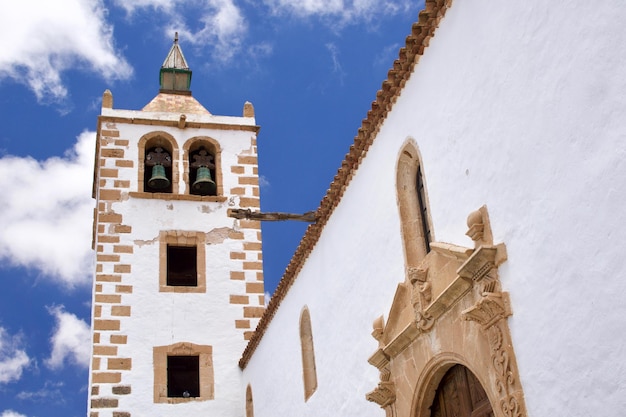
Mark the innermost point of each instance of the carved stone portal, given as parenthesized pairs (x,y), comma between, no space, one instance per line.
(457,315)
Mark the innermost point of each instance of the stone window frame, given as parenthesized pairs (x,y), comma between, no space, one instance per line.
(182,238)
(152,139)
(207,381)
(309,371)
(213,146)
(411,206)
(249,402)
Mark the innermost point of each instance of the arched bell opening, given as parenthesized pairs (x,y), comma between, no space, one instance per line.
(202,170)
(460,394)
(157,169)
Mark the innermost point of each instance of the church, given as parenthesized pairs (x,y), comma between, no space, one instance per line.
(466,260)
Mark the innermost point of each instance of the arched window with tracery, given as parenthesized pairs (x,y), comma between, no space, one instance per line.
(309,373)
(413,205)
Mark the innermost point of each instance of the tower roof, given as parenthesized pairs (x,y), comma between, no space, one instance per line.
(175,58)
(175,75)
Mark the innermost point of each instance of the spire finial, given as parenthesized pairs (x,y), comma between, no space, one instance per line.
(175,74)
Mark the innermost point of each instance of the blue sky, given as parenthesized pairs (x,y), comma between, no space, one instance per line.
(310,67)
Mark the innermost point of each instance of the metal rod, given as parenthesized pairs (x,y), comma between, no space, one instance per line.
(309,216)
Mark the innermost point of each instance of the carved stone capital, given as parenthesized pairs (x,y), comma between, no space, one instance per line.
(491,308)
(417,274)
(384,394)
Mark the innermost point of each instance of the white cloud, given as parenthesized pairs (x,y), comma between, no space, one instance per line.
(44,38)
(334,55)
(11,413)
(339,11)
(387,55)
(51,393)
(267,298)
(13,359)
(222,24)
(224,28)
(47,212)
(70,341)
(264,182)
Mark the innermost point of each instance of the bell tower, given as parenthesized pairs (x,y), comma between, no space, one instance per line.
(178,285)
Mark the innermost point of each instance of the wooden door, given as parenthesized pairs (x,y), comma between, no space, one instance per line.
(460,395)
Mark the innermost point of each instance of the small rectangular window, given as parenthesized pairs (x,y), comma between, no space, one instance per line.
(182,266)
(183,376)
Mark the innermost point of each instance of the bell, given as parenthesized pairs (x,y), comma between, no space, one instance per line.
(158,180)
(203,184)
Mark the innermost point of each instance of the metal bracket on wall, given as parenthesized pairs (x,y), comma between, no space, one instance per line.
(309,216)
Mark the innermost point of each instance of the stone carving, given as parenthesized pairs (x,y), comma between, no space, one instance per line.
(491,308)
(384,394)
(421,297)
(421,287)
(481,269)
(379,326)
(490,311)
(506,382)
(479,228)
(447,280)
(424,320)
(476,226)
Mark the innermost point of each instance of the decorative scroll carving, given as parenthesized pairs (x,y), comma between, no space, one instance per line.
(384,394)
(511,398)
(490,309)
(424,320)
(489,312)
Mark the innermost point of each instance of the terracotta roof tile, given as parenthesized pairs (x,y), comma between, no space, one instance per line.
(397,76)
(175,103)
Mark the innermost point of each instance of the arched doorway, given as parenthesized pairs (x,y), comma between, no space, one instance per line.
(459,394)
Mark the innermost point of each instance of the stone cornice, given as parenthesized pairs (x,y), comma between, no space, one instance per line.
(176,123)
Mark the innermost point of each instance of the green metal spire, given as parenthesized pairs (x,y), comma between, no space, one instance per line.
(175,75)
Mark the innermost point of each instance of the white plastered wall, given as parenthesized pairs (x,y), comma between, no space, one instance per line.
(519,106)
